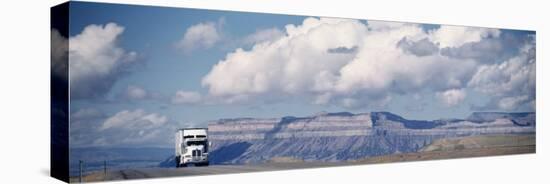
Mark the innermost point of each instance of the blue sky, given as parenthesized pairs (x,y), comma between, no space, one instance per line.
(155,69)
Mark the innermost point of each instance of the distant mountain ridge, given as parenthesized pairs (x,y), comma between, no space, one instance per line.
(347,136)
(521,118)
(324,136)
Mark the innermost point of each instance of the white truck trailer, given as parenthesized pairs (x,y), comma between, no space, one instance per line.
(192,147)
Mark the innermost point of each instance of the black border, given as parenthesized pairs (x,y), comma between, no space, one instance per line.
(59,99)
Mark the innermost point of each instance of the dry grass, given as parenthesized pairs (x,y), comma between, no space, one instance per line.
(285,160)
(476,146)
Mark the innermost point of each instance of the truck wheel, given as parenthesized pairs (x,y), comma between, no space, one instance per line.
(202,164)
(177,162)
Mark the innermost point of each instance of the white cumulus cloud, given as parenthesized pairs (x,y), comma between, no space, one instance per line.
(264,35)
(96,61)
(509,103)
(203,35)
(456,36)
(135,93)
(135,119)
(451,97)
(186,97)
(337,60)
(126,128)
(511,83)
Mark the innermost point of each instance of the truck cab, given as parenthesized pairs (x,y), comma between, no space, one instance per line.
(192,147)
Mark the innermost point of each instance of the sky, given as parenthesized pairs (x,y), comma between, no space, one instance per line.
(138,73)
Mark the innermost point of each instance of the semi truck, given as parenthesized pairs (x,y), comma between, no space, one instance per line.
(192,147)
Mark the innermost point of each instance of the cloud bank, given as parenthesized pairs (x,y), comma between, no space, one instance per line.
(356,64)
(91,127)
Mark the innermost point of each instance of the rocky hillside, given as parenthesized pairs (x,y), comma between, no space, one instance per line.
(347,136)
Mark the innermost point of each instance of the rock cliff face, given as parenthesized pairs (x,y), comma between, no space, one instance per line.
(347,136)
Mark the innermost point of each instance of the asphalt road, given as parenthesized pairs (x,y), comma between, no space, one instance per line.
(196,171)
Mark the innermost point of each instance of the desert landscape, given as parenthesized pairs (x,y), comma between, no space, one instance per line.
(342,139)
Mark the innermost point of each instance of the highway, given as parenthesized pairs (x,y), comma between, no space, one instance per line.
(144,173)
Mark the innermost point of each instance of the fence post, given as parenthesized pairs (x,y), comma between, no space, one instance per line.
(105,170)
(80,171)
